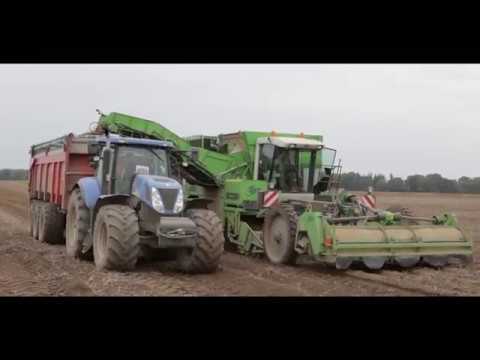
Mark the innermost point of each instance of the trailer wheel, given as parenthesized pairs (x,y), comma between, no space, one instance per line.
(52,225)
(34,219)
(205,256)
(116,244)
(40,219)
(77,224)
(279,232)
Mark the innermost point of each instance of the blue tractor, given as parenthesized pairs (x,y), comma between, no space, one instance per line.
(134,207)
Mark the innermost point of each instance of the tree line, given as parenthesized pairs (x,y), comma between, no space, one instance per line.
(13,174)
(357,182)
(413,183)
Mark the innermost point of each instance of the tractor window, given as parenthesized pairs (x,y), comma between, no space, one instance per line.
(132,160)
(265,161)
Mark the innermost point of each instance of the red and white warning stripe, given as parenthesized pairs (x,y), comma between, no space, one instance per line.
(270,198)
(368,200)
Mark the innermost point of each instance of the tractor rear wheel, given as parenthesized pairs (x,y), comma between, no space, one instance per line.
(77,224)
(209,246)
(52,225)
(279,232)
(116,244)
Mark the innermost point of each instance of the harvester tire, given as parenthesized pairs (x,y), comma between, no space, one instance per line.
(279,232)
(52,225)
(205,256)
(77,225)
(116,242)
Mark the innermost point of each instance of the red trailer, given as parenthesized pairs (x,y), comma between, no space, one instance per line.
(55,168)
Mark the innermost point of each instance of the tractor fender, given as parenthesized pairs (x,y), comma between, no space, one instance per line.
(102,200)
(90,190)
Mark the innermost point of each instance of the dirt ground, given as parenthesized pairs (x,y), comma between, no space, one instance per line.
(28,267)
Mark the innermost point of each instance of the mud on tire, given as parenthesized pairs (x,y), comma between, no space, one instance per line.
(205,256)
(34,215)
(281,250)
(77,225)
(116,244)
(52,224)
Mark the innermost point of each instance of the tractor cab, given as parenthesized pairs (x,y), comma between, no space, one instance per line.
(297,167)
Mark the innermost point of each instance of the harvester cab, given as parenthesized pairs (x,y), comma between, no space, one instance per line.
(294,166)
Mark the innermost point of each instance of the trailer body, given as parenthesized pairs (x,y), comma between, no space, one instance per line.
(56,167)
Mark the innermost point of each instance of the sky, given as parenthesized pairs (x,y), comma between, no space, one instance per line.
(398,119)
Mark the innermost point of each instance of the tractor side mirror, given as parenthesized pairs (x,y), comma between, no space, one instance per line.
(94,160)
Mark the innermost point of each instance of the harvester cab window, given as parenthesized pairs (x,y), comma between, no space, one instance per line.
(137,160)
(324,169)
(287,170)
(265,161)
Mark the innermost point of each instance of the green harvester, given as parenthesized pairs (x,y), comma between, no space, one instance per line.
(278,194)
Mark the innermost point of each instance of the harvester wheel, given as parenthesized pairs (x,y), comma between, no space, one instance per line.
(116,244)
(205,256)
(279,232)
(77,225)
(52,225)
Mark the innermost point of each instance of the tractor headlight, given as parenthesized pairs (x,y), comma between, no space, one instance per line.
(157,201)
(179,203)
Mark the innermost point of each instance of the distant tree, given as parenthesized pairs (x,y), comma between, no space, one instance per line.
(380,183)
(13,174)
(448,186)
(469,185)
(396,184)
(433,182)
(416,183)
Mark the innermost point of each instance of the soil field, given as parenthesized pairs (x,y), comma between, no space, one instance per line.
(28,267)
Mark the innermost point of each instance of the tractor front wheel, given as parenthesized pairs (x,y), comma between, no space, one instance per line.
(209,246)
(279,232)
(116,244)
